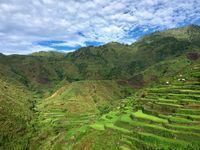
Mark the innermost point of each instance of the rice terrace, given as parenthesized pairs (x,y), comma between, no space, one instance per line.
(100,75)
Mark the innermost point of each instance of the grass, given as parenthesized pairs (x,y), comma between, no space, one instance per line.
(112,126)
(189,111)
(163,142)
(190,128)
(175,119)
(169,104)
(127,119)
(73,131)
(140,114)
(124,148)
(98,126)
(194,117)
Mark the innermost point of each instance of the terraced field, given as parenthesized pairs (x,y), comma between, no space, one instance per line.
(83,100)
(68,112)
(164,117)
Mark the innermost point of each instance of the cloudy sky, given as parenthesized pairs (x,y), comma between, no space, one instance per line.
(28,26)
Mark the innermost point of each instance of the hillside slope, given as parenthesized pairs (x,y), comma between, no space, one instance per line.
(16,104)
(72,107)
(50,100)
(164,116)
(118,61)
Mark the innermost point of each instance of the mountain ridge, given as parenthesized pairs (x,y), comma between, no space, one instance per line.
(59,98)
(111,61)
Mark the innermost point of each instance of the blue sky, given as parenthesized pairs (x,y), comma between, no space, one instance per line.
(67,25)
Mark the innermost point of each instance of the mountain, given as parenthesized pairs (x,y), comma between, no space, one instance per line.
(117,61)
(110,61)
(115,96)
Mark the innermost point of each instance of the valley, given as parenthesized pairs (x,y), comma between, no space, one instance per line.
(143,96)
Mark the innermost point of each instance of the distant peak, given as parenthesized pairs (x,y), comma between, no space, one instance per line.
(114,43)
(48,53)
(193,27)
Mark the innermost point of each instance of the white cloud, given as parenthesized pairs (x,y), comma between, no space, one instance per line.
(23,22)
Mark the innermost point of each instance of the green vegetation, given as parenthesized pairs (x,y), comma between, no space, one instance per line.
(140,114)
(143,96)
(73,107)
(16,106)
(148,125)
